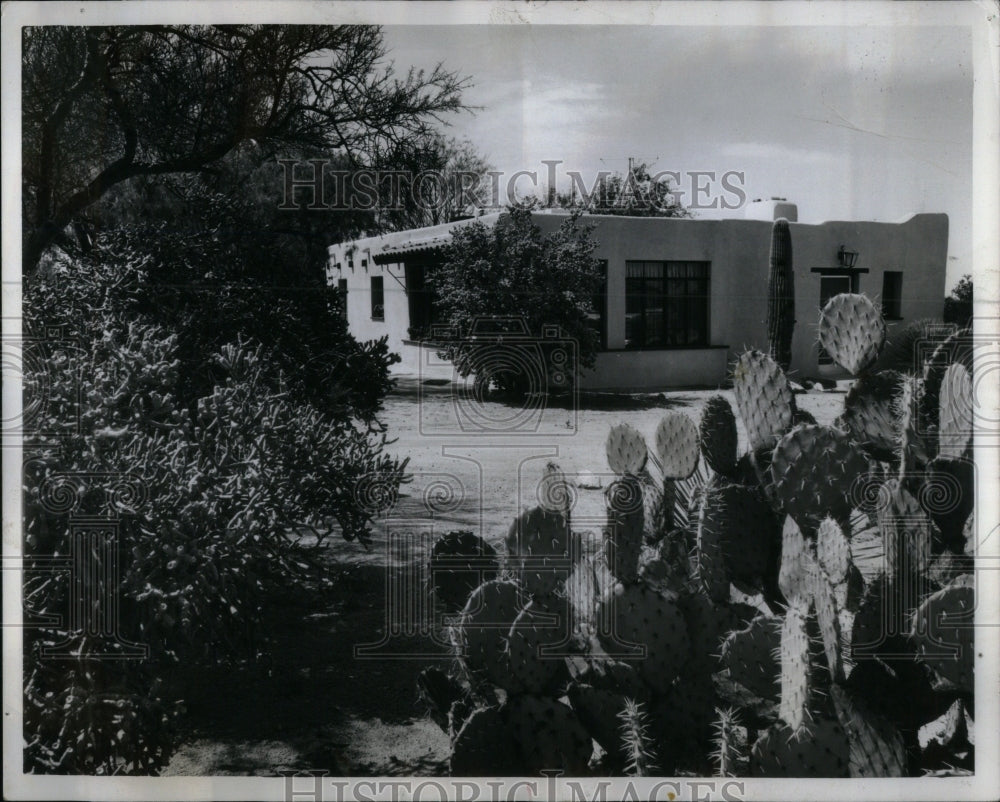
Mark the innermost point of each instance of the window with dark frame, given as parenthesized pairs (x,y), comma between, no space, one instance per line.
(892,295)
(378,298)
(666,304)
(342,289)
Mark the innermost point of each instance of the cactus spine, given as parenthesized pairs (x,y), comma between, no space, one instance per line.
(781,295)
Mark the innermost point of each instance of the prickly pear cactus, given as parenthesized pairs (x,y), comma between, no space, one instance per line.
(637,616)
(914,447)
(833,550)
(718,436)
(813,470)
(852,331)
(794,576)
(746,529)
(876,747)
(549,735)
(481,634)
(711,568)
(626,522)
(763,398)
(906,532)
(955,349)
(538,543)
(948,495)
(871,413)
(485,746)
(793,705)
(956,411)
(535,647)
(752,654)
(598,710)
(677,446)
(943,629)
(818,749)
(459,562)
(781,295)
(626,450)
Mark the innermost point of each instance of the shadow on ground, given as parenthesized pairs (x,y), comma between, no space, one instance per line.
(313,703)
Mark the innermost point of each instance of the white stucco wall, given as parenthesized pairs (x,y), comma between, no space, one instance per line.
(738,252)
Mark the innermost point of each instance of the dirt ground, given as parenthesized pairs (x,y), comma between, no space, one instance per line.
(317,704)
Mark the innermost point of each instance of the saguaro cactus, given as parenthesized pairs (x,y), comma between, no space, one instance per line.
(781,295)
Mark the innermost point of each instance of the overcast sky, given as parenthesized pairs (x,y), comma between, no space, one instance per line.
(870,123)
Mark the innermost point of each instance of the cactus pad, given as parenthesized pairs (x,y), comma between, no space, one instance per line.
(747,528)
(549,734)
(794,576)
(751,656)
(626,522)
(483,628)
(710,566)
(535,632)
(915,447)
(871,413)
(538,545)
(829,623)
(813,470)
(833,550)
(955,418)
(793,706)
(598,710)
(906,531)
(948,495)
(876,746)
(819,749)
(852,331)
(641,616)
(484,747)
(626,450)
(718,436)
(942,630)
(460,562)
(763,398)
(677,445)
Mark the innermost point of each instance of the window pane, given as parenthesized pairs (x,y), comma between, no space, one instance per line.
(666,304)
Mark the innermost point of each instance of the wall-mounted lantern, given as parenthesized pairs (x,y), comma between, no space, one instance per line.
(846,258)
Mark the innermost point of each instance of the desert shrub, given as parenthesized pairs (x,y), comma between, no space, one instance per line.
(504,289)
(220,488)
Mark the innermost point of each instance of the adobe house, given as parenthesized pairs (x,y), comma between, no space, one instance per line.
(682,297)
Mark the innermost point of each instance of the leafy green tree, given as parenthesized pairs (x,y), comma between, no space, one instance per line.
(958,305)
(104,105)
(639,193)
(504,288)
(438,179)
